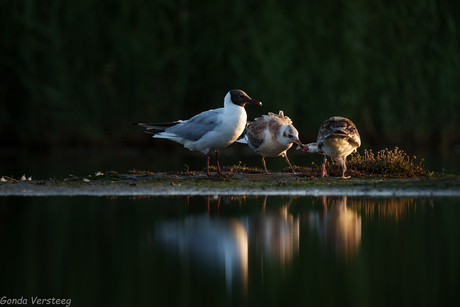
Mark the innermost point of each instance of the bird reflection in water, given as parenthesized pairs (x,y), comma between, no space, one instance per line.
(222,244)
(216,244)
(338,226)
(275,234)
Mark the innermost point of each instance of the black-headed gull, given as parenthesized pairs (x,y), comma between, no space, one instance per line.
(271,136)
(337,138)
(210,130)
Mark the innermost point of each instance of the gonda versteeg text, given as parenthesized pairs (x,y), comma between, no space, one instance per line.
(35,300)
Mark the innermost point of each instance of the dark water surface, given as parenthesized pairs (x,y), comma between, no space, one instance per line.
(199,251)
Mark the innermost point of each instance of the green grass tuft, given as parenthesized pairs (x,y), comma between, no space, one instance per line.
(242,168)
(386,163)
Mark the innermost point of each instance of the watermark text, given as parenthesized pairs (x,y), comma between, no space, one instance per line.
(35,300)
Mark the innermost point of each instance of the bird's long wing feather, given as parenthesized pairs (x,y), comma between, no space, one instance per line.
(197,126)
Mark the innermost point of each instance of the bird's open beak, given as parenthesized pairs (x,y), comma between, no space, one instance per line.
(299,144)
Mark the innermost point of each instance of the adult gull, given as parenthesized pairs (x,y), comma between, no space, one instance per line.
(210,130)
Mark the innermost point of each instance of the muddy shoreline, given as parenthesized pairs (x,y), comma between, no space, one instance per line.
(163,184)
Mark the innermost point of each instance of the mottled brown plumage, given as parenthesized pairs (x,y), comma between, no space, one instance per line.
(271,122)
(339,127)
(337,138)
(271,136)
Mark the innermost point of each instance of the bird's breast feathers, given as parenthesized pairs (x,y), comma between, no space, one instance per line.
(337,147)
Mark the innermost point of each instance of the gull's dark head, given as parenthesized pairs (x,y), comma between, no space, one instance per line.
(240,98)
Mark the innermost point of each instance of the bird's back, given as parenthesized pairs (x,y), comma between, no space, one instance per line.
(261,134)
(339,127)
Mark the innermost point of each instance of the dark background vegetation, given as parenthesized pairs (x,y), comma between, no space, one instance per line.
(76,73)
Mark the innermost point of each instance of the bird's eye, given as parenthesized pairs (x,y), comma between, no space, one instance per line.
(241,96)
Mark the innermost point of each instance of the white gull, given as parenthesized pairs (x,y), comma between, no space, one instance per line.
(210,130)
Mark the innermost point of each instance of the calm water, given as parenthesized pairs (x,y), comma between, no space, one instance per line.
(200,251)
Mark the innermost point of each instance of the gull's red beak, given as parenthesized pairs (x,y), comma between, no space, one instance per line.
(257,103)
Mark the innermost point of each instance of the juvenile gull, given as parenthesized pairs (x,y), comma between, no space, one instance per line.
(337,138)
(210,130)
(271,136)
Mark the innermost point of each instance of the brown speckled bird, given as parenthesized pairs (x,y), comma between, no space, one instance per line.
(271,136)
(337,138)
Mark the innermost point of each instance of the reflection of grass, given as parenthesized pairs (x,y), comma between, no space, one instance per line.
(384,209)
(386,163)
(390,209)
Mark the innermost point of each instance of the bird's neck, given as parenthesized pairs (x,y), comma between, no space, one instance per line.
(228,103)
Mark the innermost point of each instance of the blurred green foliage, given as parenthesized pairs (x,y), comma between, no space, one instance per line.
(78,72)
